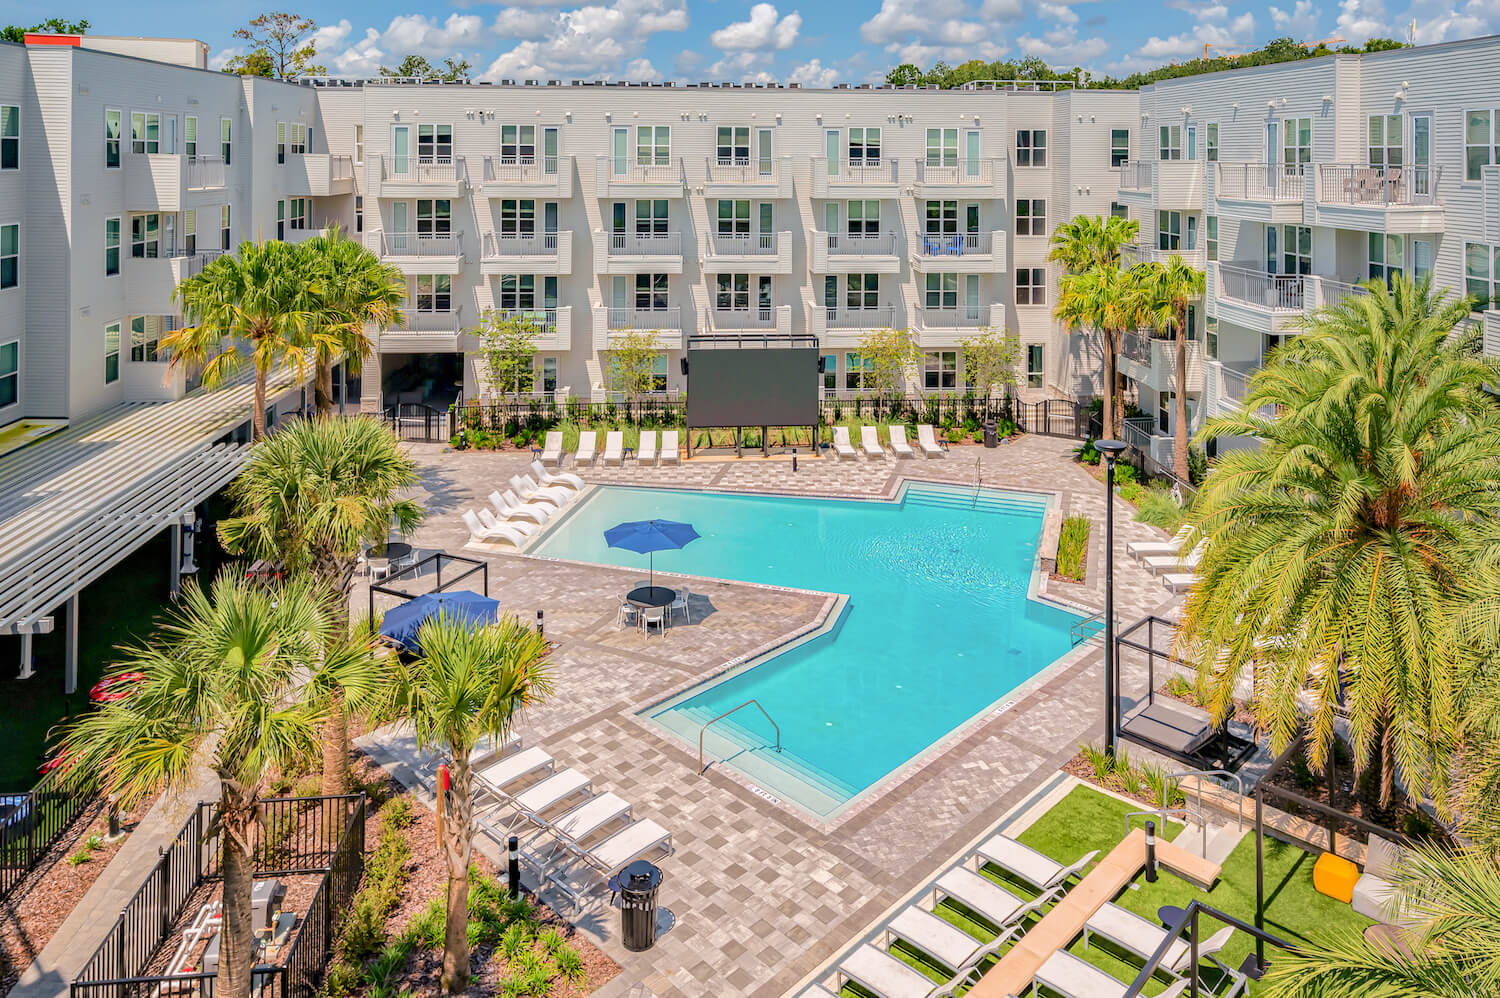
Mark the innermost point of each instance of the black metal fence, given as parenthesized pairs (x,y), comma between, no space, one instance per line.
(34,821)
(417,421)
(300,835)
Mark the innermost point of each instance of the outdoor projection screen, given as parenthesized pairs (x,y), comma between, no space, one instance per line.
(752,386)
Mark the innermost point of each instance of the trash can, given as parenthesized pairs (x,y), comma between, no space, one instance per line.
(639,883)
(991,432)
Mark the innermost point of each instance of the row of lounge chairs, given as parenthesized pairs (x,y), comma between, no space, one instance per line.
(520,510)
(1165,559)
(869,442)
(646,452)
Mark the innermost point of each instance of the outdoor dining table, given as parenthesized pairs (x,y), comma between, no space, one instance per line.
(650,597)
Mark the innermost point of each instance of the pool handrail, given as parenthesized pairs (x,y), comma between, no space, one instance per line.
(702,768)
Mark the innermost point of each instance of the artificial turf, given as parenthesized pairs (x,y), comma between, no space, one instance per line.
(1086,820)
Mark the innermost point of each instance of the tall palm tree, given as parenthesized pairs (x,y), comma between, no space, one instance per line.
(1164,292)
(1455,954)
(1338,549)
(257,298)
(223,682)
(352,289)
(310,498)
(470,683)
(1087,241)
(1096,298)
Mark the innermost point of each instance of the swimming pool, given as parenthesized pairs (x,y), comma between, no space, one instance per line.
(938,625)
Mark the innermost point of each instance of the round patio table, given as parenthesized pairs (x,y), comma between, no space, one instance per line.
(650,597)
(395,552)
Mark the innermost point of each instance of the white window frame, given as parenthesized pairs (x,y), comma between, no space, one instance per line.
(148,346)
(734,158)
(1490,279)
(1385,147)
(1036,376)
(1031,283)
(359,143)
(940,370)
(548,383)
(1169,143)
(226,227)
(190,136)
(16,280)
(118,140)
(1211,141)
(1035,223)
(116,326)
(1491,146)
(226,139)
(280,142)
(437,299)
(1118,156)
(145,141)
(1387,242)
(16,374)
(15,139)
(1031,153)
(190,230)
(1211,236)
(117,246)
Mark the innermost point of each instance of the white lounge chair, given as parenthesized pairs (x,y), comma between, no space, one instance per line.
(841,445)
(1026,864)
(671,451)
(527,488)
(1156,564)
(1135,934)
(478,532)
(586,443)
(614,447)
(492,783)
(552,452)
(545,795)
(899,446)
(928,442)
(559,478)
(1374,895)
(1067,975)
(508,506)
(1180,582)
(590,816)
(984,896)
(934,936)
(878,971)
(645,451)
(869,442)
(491,521)
(609,857)
(1173,547)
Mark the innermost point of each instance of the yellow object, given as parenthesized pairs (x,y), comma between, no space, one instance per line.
(1335,877)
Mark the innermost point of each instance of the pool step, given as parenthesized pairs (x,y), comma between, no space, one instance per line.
(991,502)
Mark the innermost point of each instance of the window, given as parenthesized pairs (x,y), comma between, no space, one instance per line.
(10,137)
(653,145)
(732,145)
(1212,246)
(517,292)
(145,132)
(280,219)
(942,147)
(1169,230)
(862,291)
(435,292)
(1034,365)
(10,255)
(434,143)
(1170,146)
(733,218)
(732,293)
(518,143)
(1031,147)
(941,291)
(864,147)
(1119,210)
(1296,145)
(190,231)
(1482,274)
(1119,146)
(10,373)
(549,374)
(1385,140)
(659,373)
(298,136)
(1211,335)
(359,143)
(651,292)
(1386,257)
(1031,287)
(111,139)
(940,370)
(145,335)
(281,142)
(651,217)
(434,217)
(1164,412)
(942,218)
(359,213)
(111,353)
(145,235)
(864,218)
(224,227)
(111,247)
(858,372)
(1481,141)
(1031,217)
(1211,141)
(828,366)
(1296,250)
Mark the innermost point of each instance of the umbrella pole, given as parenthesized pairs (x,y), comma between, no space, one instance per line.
(651,569)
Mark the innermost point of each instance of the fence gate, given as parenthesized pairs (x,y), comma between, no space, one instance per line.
(1052,417)
(417,421)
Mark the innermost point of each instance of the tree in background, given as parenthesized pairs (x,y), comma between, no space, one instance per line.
(990,359)
(1162,293)
(887,356)
(632,361)
(507,341)
(453,71)
(1086,241)
(51,26)
(351,289)
(1097,299)
(281,48)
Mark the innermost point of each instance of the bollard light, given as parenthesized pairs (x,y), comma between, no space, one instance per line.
(1150,852)
(539,623)
(515,866)
(794,460)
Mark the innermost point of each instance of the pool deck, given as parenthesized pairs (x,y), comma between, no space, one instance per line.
(761,893)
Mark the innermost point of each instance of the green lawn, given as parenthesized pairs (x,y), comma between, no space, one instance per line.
(1086,820)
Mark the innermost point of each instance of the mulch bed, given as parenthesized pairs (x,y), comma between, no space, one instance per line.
(39,905)
(1079,766)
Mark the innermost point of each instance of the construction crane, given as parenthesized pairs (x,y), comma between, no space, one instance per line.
(1321,41)
(1222,53)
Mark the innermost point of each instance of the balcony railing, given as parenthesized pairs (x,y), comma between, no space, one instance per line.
(520,169)
(742,244)
(545,318)
(1135,253)
(1378,186)
(1261,181)
(1138,432)
(644,318)
(759,317)
(423,170)
(978,172)
(1277,292)
(952,317)
(421,244)
(1331,291)
(520,244)
(430,320)
(936,244)
(1135,175)
(340,168)
(1234,384)
(619,171)
(859,318)
(864,171)
(204,173)
(645,244)
(860,244)
(739,170)
(1137,347)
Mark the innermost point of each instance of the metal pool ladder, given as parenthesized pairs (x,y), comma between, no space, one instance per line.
(702,768)
(978,466)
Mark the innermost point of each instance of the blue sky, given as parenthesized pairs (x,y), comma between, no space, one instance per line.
(814,42)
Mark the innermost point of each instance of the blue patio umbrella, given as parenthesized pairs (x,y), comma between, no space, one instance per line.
(650,536)
(401,623)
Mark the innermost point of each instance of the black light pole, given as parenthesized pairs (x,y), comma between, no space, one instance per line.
(1111,450)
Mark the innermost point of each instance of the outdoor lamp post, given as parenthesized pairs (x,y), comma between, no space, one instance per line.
(1111,450)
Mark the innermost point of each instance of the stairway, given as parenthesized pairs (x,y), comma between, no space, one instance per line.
(911,293)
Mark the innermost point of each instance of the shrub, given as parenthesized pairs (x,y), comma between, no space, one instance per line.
(1101,763)
(955,436)
(1087,453)
(1073,547)
(1125,474)
(1158,508)
(1197,465)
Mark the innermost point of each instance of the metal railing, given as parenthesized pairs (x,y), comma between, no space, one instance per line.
(416,421)
(618,171)
(860,244)
(1234,384)
(858,318)
(204,173)
(340,167)
(645,244)
(520,169)
(546,318)
(1135,175)
(742,243)
(957,316)
(1136,347)
(32,822)
(1378,186)
(964,171)
(423,170)
(702,768)
(1261,181)
(1201,774)
(421,243)
(742,170)
(1134,253)
(418,320)
(1277,292)
(760,317)
(669,318)
(863,171)
(1331,291)
(1184,812)
(500,244)
(937,244)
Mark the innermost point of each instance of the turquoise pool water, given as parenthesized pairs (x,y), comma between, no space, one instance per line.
(938,625)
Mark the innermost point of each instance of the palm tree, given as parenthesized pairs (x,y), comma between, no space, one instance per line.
(1338,549)
(310,498)
(468,685)
(223,682)
(1085,241)
(352,289)
(1164,292)
(258,296)
(1085,244)
(1096,299)
(1456,954)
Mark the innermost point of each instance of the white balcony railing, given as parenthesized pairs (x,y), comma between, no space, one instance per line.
(423,170)
(759,317)
(204,173)
(953,316)
(644,318)
(860,244)
(1234,384)
(645,244)
(860,171)
(1135,175)
(544,318)
(421,244)
(520,169)
(742,244)
(939,244)
(839,317)
(1277,292)
(430,320)
(621,171)
(501,244)
(1378,186)
(977,172)
(738,170)
(340,168)
(1135,253)
(1261,182)
(1330,291)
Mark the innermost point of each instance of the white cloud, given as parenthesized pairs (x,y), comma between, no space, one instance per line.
(765,29)
(331,36)
(1214,26)
(937,22)
(641,69)
(744,67)
(1061,47)
(1061,13)
(1299,22)
(220,58)
(1001,10)
(1361,19)
(422,35)
(814,74)
(524,23)
(594,40)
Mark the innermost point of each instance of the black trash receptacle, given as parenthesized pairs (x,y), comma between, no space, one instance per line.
(991,432)
(639,883)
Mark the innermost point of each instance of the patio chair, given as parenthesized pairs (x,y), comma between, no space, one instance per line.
(527,488)
(508,506)
(603,861)
(876,970)
(869,442)
(680,602)
(552,452)
(931,246)
(494,782)
(1026,864)
(627,615)
(841,445)
(1135,934)
(655,615)
(956,246)
(937,937)
(491,521)
(1156,564)
(671,451)
(614,447)
(899,446)
(983,895)
(1178,583)
(545,795)
(929,443)
(645,451)
(1067,975)
(585,451)
(1173,547)
(479,533)
(562,479)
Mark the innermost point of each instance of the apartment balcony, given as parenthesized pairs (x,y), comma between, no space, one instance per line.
(769,319)
(1257,192)
(1227,386)
(615,178)
(553,326)
(610,324)
(1180,185)
(753,178)
(1136,181)
(971,178)
(160,181)
(1490,186)
(637,252)
(425,332)
(958,253)
(316,175)
(845,327)
(420,253)
(1394,200)
(1150,361)
(1142,433)
(841,253)
(1324,292)
(949,327)
(860,179)
(527,177)
(1260,302)
(148,282)
(417,177)
(529,253)
(1135,253)
(747,253)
